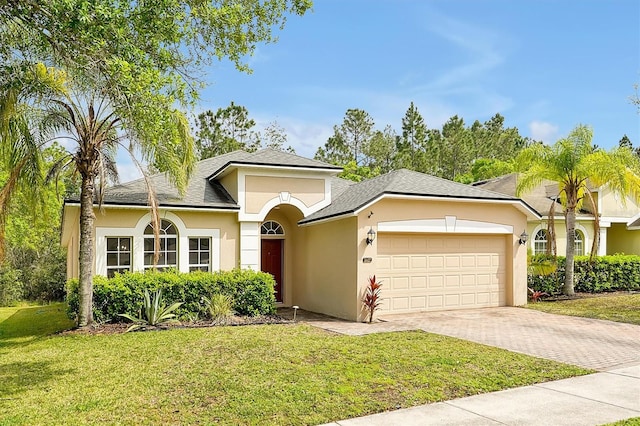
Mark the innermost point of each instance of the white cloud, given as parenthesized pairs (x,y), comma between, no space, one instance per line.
(543,131)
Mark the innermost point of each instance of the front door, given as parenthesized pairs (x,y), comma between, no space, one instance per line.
(272,263)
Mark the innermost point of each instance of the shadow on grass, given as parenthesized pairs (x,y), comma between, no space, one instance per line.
(21,376)
(33,322)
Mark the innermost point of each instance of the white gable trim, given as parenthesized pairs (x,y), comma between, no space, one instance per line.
(448,225)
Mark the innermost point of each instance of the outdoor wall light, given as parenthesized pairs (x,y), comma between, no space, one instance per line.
(523,238)
(371,235)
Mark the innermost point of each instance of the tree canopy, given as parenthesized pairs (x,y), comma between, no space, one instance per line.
(574,163)
(455,151)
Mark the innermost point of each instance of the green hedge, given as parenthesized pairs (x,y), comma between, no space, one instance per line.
(605,273)
(252,292)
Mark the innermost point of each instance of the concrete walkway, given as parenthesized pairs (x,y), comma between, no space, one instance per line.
(613,348)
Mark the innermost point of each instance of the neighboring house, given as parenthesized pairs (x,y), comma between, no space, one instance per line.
(433,243)
(619,219)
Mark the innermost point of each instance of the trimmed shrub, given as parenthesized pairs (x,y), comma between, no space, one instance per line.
(605,273)
(251,291)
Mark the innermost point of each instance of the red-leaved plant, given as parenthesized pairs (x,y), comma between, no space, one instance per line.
(372,299)
(536,295)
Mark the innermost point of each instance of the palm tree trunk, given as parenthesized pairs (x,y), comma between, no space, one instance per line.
(571,249)
(85,315)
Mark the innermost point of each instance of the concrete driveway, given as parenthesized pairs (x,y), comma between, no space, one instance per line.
(601,345)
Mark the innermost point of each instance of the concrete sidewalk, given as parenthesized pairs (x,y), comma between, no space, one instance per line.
(587,400)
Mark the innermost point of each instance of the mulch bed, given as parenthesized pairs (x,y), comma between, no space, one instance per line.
(119,328)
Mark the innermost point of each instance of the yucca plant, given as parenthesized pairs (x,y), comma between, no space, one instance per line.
(219,306)
(155,312)
(372,299)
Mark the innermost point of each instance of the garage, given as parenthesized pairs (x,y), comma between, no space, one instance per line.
(428,272)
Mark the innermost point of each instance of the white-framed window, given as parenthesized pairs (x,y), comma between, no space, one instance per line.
(579,243)
(540,241)
(118,255)
(174,244)
(199,254)
(271,227)
(168,249)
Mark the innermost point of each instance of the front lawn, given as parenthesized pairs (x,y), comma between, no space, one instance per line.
(620,308)
(271,374)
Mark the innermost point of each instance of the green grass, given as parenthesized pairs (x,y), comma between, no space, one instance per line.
(620,308)
(272,374)
(628,422)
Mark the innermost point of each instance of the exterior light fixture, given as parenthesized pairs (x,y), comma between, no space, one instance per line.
(523,238)
(371,235)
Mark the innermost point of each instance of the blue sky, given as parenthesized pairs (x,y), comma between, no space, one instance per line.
(545,65)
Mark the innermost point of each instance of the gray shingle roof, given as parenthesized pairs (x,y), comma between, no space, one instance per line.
(203,192)
(271,157)
(540,197)
(402,182)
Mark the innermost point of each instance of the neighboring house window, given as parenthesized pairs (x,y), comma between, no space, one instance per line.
(540,242)
(271,227)
(199,254)
(118,255)
(168,246)
(579,245)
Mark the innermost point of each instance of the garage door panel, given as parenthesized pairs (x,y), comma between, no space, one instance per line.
(435,281)
(436,262)
(432,272)
(451,300)
(419,263)
(419,282)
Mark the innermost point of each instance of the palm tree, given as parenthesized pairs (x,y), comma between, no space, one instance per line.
(97,129)
(20,139)
(574,163)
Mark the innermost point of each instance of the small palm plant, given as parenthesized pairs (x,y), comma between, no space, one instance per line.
(219,307)
(372,299)
(155,312)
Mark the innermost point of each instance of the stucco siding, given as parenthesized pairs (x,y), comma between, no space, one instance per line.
(230,183)
(621,240)
(330,278)
(611,205)
(261,189)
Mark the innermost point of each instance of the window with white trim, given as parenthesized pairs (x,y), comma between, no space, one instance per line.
(118,255)
(168,249)
(579,243)
(540,242)
(199,254)
(271,227)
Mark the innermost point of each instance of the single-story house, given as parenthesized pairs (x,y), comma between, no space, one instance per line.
(434,244)
(619,219)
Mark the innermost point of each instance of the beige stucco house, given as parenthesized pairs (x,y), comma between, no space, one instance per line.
(433,243)
(619,219)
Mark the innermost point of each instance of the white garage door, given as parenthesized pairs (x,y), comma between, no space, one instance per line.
(437,272)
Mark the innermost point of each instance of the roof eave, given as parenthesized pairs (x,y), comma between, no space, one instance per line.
(231,165)
(122,205)
(519,204)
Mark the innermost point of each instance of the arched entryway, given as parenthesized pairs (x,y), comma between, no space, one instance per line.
(272,253)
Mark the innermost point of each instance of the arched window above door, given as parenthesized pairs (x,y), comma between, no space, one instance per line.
(271,227)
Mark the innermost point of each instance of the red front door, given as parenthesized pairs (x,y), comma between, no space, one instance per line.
(272,263)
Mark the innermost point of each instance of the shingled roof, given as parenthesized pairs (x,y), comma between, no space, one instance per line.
(401,182)
(271,157)
(540,197)
(203,191)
